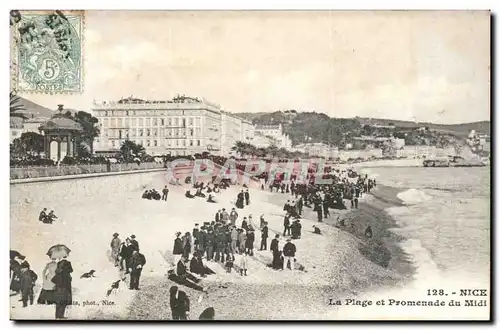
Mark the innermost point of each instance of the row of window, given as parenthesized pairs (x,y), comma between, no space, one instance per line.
(139,122)
(156,143)
(113,133)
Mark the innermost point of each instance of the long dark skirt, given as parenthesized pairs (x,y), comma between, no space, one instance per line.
(46,297)
(240,204)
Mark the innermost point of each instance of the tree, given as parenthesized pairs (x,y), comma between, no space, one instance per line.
(129,150)
(29,143)
(16,106)
(90,127)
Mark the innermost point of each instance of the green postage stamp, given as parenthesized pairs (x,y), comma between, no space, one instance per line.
(47,51)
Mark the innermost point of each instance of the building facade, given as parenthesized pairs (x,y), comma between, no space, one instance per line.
(247,131)
(417,151)
(275,132)
(183,126)
(318,149)
(180,127)
(18,126)
(231,132)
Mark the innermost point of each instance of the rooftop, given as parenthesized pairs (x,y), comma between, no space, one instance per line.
(61,123)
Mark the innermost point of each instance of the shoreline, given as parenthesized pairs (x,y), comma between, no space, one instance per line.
(363,265)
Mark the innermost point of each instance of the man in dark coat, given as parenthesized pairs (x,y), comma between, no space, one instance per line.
(210,245)
(126,253)
(319,211)
(202,238)
(250,241)
(184,277)
(289,251)
(196,235)
(263,237)
(240,200)
(218,216)
(178,248)
(165,194)
(247,197)
(196,265)
(326,212)
(286,224)
(179,304)
(219,246)
(137,261)
(293,228)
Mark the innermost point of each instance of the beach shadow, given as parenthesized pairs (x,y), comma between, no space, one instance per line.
(376,253)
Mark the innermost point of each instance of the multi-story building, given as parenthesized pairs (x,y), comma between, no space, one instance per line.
(417,151)
(18,126)
(275,132)
(231,132)
(247,131)
(182,126)
(318,149)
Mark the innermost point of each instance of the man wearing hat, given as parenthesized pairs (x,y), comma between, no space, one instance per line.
(178,249)
(196,234)
(234,240)
(179,304)
(115,248)
(134,243)
(263,237)
(210,244)
(137,262)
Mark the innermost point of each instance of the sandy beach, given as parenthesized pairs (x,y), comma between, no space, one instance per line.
(339,264)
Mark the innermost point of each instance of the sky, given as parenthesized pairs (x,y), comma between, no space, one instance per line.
(406,65)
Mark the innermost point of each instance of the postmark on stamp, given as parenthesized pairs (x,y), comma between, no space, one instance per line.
(48,50)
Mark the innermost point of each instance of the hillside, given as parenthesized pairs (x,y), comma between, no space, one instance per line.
(33,110)
(457,129)
(321,128)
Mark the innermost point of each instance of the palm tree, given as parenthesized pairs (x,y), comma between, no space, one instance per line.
(129,148)
(16,106)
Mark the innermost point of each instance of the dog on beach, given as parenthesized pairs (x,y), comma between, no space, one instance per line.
(114,287)
(88,275)
(369,232)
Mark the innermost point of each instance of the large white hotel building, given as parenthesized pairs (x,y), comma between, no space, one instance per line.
(181,126)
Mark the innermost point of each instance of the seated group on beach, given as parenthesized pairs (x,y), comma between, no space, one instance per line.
(204,191)
(47,217)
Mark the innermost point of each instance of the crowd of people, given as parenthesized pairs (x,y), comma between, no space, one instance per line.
(127,257)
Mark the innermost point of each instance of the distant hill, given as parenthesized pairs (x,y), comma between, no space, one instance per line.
(318,127)
(455,129)
(33,110)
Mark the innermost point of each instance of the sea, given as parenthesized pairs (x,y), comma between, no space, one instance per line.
(445,220)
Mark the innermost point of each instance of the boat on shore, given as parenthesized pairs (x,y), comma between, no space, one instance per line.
(453,161)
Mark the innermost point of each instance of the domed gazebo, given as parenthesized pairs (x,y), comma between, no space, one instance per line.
(62,136)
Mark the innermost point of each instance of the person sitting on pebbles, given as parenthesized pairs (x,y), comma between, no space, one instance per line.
(211,199)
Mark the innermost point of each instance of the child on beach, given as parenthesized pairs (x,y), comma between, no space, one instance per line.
(28,279)
(243,264)
(229,262)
